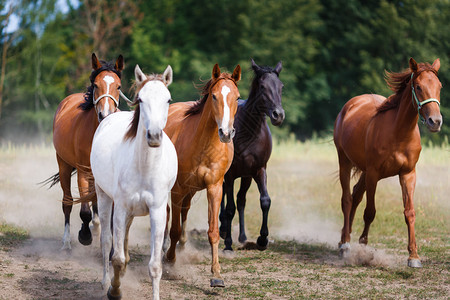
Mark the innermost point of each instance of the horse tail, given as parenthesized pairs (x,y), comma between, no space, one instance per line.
(356,172)
(91,196)
(53,180)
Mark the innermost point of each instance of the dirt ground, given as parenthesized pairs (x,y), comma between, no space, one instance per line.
(301,262)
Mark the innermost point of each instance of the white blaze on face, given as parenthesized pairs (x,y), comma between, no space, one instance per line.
(108,79)
(226,110)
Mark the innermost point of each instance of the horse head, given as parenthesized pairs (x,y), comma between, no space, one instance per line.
(153,100)
(426,91)
(270,89)
(224,94)
(106,85)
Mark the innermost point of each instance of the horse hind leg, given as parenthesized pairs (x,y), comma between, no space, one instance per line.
(106,204)
(184,212)
(228,213)
(358,192)
(345,168)
(65,173)
(369,211)
(240,202)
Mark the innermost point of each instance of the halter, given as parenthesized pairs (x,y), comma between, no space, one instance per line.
(418,103)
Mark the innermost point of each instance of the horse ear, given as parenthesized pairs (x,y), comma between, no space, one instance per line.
(236,73)
(216,71)
(119,63)
(95,62)
(413,65)
(437,64)
(255,67)
(139,75)
(278,68)
(168,75)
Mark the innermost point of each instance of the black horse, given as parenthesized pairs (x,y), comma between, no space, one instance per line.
(252,149)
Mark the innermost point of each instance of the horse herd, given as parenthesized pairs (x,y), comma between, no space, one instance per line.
(128,161)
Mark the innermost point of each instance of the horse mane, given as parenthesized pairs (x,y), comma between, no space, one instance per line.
(132,128)
(198,106)
(398,82)
(89,95)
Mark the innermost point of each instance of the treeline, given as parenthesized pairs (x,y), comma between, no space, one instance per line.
(331,51)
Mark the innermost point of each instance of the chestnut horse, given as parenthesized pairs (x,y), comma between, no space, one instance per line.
(74,125)
(252,149)
(380,138)
(202,132)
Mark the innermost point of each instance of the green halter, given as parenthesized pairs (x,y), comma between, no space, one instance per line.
(418,103)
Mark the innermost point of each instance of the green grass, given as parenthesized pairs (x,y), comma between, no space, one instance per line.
(11,236)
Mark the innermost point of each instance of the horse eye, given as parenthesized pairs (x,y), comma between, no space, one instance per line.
(119,87)
(214,98)
(96,86)
(418,88)
(170,100)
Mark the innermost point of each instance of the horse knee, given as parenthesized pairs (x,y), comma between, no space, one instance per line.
(155,270)
(265,203)
(369,215)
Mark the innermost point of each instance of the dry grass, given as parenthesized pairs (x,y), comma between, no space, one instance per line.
(301,262)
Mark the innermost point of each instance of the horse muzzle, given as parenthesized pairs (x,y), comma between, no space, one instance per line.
(154,139)
(434,123)
(226,136)
(277,116)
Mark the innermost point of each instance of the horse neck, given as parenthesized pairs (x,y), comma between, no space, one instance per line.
(254,110)
(407,115)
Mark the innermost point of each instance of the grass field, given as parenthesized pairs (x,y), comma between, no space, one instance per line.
(301,261)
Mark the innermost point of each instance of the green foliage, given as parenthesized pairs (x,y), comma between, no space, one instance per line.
(331,51)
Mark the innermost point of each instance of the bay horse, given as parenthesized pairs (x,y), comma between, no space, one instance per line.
(380,138)
(252,149)
(76,119)
(202,132)
(134,165)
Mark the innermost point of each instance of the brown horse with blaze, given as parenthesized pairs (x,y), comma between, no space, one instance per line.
(76,119)
(380,137)
(202,132)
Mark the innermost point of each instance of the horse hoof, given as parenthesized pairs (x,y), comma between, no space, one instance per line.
(228,248)
(85,239)
(217,282)
(242,239)
(113,297)
(262,243)
(414,263)
(344,249)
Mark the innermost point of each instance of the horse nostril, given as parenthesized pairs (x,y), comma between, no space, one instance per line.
(275,114)
(430,121)
(220,131)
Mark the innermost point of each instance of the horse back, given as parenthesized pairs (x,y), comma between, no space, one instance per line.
(73,130)
(350,129)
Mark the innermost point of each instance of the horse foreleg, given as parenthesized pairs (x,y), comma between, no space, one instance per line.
(157,219)
(369,211)
(105,210)
(261,181)
(65,172)
(214,194)
(118,259)
(408,183)
(241,199)
(228,213)
(358,192)
(84,235)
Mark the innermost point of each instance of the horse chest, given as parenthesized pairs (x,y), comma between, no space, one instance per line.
(139,202)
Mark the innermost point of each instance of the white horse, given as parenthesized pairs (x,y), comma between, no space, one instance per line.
(134,165)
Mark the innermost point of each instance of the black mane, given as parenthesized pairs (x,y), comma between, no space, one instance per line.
(89,95)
